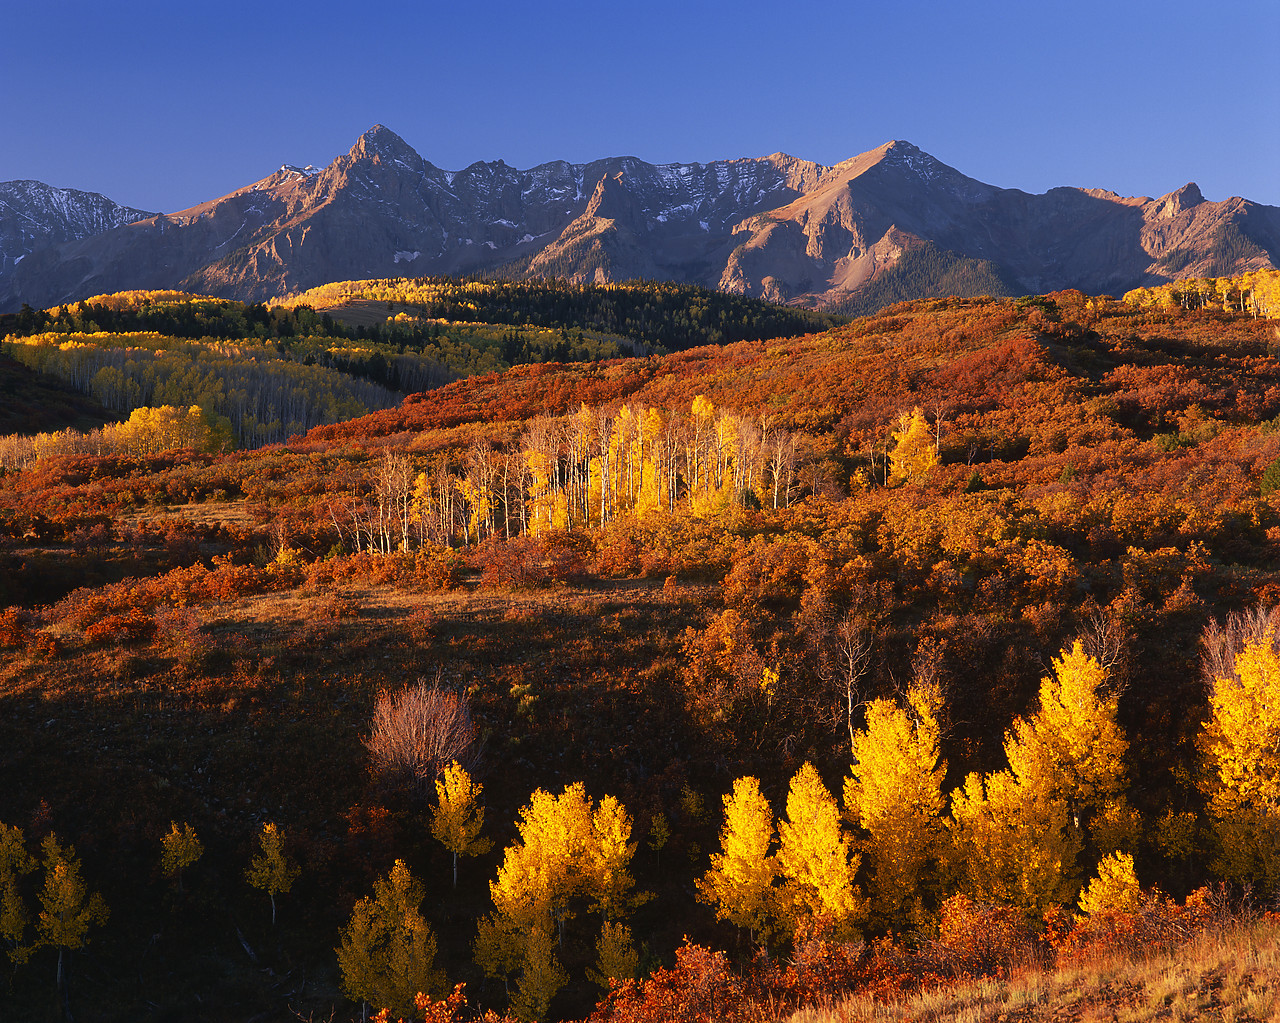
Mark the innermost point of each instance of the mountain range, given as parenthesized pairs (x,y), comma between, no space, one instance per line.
(891,223)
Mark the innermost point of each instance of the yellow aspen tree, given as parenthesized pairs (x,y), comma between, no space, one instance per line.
(271,870)
(914,452)
(479,502)
(1241,745)
(697,467)
(567,851)
(541,501)
(616,955)
(894,794)
(650,495)
(457,817)
(1115,887)
(541,977)
(387,955)
(179,849)
(622,459)
(1013,843)
(67,909)
(1019,836)
(15,863)
(1073,749)
(610,883)
(543,871)
(740,881)
(816,861)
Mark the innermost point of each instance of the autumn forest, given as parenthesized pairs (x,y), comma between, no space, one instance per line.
(461,649)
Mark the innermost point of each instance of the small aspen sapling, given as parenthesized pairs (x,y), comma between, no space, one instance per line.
(67,909)
(271,870)
(659,833)
(1115,888)
(457,817)
(541,978)
(179,849)
(616,956)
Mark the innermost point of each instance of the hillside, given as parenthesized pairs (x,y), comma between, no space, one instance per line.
(263,373)
(774,227)
(661,577)
(31,403)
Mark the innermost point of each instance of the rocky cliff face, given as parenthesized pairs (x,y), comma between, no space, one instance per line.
(34,216)
(776,227)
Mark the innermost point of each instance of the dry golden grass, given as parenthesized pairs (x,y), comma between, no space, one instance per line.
(205,513)
(1230,974)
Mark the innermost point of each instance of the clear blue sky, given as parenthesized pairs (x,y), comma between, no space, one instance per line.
(161,105)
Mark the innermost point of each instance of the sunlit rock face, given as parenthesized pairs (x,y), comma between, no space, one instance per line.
(775,227)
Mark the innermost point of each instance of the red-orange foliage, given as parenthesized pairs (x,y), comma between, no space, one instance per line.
(450,1010)
(699,988)
(1158,925)
(980,939)
(425,569)
(15,626)
(526,561)
(132,626)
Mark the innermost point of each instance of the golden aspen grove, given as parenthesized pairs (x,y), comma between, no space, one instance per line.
(446,650)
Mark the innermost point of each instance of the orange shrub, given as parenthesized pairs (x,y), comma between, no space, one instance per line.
(15,626)
(1158,925)
(699,988)
(979,939)
(133,626)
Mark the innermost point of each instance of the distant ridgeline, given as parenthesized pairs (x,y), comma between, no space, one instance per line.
(264,372)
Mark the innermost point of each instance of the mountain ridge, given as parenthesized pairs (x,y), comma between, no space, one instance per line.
(777,227)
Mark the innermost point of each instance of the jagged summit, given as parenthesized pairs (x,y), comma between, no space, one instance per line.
(34,215)
(777,227)
(381,141)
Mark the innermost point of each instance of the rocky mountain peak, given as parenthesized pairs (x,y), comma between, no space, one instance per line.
(778,226)
(381,142)
(914,161)
(1185,198)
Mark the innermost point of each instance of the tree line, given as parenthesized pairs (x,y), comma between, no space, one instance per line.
(673,316)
